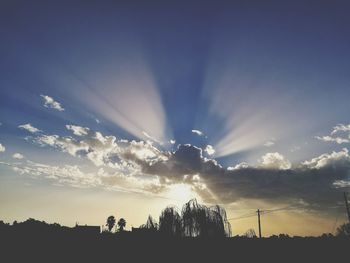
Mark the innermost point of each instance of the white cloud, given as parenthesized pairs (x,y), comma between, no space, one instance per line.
(78,130)
(275,161)
(104,150)
(239,166)
(49,102)
(198,132)
(66,144)
(335,158)
(2,148)
(17,156)
(209,150)
(29,128)
(340,127)
(337,135)
(172,141)
(338,140)
(269,143)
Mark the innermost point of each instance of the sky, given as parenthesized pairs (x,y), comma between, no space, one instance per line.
(125,107)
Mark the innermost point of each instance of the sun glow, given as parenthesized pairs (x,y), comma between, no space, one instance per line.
(181,193)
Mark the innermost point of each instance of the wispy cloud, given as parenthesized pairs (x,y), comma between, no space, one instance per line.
(269,143)
(29,128)
(341,127)
(49,102)
(340,134)
(198,132)
(338,140)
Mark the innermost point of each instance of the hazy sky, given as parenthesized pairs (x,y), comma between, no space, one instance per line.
(125,107)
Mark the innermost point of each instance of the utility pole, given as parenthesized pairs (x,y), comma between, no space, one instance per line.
(260,224)
(347,206)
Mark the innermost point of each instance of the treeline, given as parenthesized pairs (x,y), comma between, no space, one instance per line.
(193,220)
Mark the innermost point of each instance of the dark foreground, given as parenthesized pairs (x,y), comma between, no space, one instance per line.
(73,247)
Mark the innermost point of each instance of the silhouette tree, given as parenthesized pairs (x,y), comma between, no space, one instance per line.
(121,224)
(199,220)
(343,230)
(110,223)
(170,222)
(195,220)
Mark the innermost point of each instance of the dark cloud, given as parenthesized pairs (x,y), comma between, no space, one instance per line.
(314,186)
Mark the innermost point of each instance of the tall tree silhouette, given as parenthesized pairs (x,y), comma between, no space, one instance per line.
(195,220)
(170,222)
(110,223)
(121,224)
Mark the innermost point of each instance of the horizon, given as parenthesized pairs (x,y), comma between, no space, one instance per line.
(125,107)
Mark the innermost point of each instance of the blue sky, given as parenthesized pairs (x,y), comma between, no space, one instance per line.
(266,84)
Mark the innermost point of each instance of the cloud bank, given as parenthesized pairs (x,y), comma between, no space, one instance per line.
(141,166)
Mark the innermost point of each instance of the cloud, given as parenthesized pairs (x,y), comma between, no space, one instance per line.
(242,165)
(275,180)
(317,182)
(17,156)
(275,161)
(341,127)
(74,176)
(66,174)
(49,102)
(209,150)
(29,128)
(334,159)
(338,140)
(198,132)
(340,134)
(78,130)
(172,141)
(2,148)
(103,150)
(269,143)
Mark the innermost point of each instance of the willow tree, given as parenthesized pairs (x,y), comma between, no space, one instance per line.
(170,222)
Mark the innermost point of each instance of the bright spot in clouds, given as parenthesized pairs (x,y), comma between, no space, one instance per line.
(209,150)
(2,148)
(181,193)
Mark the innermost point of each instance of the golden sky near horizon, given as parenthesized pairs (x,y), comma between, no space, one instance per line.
(68,205)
